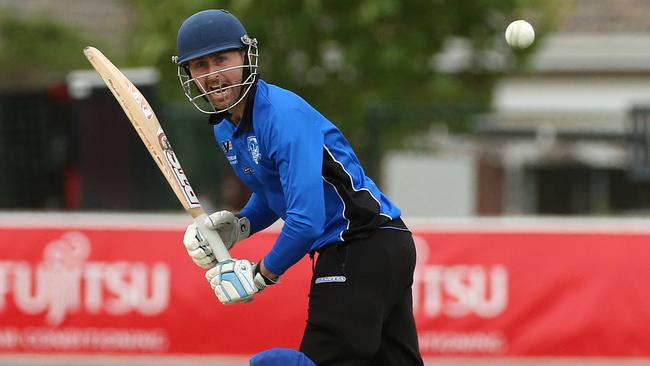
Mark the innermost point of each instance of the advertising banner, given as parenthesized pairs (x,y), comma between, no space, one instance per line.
(533,293)
(134,291)
(130,290)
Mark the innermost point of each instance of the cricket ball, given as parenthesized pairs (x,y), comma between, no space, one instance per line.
(520,34)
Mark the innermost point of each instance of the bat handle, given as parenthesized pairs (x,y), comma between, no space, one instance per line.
(213,239)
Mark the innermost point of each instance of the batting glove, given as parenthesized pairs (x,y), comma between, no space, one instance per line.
(237,280)
(232,281)
(198,248)
(230,228)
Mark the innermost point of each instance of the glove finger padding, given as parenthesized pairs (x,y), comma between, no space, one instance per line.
(205,263)
(231,228)
(190,239)
(198,249)
(197,253)
(221,220)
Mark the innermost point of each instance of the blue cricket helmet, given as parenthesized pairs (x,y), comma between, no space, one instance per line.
(281,357)
(207,32)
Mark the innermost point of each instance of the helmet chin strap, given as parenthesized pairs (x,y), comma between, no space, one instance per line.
(241,98)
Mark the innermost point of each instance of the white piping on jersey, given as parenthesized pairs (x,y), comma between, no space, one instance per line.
(352,183)
(342,213)
(394,228)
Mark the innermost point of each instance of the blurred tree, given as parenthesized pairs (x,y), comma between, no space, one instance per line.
(37,51)
(343,56)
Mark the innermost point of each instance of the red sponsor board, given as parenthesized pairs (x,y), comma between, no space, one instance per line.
(133,291)
(533,294)
(79,289)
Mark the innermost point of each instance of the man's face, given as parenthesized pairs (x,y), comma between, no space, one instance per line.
(217,84)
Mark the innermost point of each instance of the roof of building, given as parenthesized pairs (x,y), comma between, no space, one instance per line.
(604,16)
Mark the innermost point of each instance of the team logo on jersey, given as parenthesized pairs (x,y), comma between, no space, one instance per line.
(254,148)
(226,146)
(330,279)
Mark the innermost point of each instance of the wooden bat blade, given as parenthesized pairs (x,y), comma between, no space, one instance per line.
(147,126)
(144,121)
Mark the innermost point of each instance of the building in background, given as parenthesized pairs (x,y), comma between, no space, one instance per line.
(560,138)
(106,21)
(40,139)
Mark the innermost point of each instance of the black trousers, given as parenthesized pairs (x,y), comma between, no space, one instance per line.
(360,303)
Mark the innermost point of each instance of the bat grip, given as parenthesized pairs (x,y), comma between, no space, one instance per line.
(213,238)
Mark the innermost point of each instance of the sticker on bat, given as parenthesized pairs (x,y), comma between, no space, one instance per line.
(139,99)
(177,171)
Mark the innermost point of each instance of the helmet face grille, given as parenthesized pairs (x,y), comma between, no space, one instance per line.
(199,96)
(205,33)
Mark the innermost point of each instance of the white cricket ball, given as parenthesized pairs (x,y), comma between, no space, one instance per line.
(520,34)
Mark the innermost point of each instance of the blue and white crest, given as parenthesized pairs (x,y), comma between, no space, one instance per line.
(254,148)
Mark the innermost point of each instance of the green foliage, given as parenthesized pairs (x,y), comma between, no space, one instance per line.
(154,40)
(34,51)
(345,55)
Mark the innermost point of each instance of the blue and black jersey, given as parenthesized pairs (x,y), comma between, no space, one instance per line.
(300,168)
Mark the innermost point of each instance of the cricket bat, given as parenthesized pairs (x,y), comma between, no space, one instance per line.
(146,124)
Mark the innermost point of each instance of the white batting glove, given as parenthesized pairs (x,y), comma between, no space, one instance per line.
(233,281)
(197,248)
(237,280)
(230,228)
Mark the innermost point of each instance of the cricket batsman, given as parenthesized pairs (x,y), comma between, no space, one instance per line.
(300,168)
